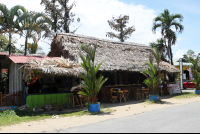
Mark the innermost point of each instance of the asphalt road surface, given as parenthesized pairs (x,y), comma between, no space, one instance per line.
(177,119)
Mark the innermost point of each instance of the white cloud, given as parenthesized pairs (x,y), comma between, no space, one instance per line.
(94,15)
(179,54)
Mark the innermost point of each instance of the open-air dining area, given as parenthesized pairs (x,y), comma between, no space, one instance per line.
(124,93)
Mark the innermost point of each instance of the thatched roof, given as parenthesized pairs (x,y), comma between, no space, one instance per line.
(116,56)
(54,66)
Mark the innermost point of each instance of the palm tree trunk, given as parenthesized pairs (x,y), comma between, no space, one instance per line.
(171,56)
(9,45)
(26,40)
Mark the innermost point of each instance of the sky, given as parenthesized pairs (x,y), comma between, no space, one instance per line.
(94,15)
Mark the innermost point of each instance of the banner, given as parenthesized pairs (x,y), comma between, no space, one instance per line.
(174,88)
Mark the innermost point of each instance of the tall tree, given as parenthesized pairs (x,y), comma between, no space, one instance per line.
(190,53)
(54,12)
(8,21)
(159,44)
(61,15)
(33,25)
(166,22)
(119,24)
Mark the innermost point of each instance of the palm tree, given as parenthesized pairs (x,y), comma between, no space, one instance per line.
(33,25)
(90,83)
(153,75)
(8,23)
(166,22)
(159,44)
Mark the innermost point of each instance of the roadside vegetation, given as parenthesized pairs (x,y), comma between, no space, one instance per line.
(184,95)
(155,102)
(12,117)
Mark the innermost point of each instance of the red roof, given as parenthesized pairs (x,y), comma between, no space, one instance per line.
(3,53)
(25,59)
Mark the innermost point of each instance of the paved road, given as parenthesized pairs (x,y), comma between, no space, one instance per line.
(183,118)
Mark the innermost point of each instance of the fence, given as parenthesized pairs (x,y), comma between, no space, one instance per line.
(16,98)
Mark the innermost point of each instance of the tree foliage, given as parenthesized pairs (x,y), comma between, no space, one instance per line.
(166,21)
(195,67)
(90,83)
(190,53)
(60,13)
(32,26)
(8,22)
(4,44)
(119,24)
(160,44)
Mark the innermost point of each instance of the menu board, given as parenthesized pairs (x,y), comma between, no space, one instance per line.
(174,88)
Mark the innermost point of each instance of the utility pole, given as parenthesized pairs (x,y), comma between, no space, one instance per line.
(181,73)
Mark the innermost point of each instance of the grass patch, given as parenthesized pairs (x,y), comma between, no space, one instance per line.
(184,95)
(12,117)
(155,102)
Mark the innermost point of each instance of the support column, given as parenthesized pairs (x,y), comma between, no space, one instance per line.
(115,77)
(181,73)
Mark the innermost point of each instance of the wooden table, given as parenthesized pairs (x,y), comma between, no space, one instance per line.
(135,89)
(121,95)
(132,88)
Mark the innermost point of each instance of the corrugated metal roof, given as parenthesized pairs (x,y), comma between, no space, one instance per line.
(25,59)
(176,63)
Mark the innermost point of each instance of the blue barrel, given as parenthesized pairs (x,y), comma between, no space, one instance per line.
(94,107)
(153,97)
(197,92)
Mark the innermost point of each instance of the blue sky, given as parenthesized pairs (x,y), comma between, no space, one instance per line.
(189,39)
(94,15)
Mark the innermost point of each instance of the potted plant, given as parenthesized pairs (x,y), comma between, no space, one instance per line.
(154,77)
(91,83)
(195,67)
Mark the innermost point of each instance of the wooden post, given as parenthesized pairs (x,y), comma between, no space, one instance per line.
(17,95)
(115,77)
(20,98)
(1,99)
(14,98)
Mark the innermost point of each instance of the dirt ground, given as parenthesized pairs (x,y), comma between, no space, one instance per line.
(121,110)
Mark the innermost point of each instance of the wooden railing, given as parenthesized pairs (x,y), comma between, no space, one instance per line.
(17,98)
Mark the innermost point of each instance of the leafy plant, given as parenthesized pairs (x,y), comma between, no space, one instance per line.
(195,67)
(4,83)
(153,75)
(90,83)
